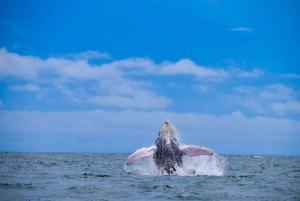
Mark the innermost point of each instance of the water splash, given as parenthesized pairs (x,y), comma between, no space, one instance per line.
(203,165)
(192,166)
(143,166)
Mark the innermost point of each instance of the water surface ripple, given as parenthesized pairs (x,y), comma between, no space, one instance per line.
(78,176)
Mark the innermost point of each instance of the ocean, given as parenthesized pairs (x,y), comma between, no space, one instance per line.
(95,176)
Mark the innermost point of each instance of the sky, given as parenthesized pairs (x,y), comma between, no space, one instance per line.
(103,76)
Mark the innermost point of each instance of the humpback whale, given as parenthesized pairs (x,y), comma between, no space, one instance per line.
(167,154)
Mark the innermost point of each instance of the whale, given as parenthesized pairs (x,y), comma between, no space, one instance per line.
(167,153)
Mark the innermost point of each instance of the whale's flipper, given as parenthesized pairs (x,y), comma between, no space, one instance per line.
(196,150)
(140,153)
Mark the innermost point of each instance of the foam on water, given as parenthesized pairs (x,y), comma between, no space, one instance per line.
(192,166)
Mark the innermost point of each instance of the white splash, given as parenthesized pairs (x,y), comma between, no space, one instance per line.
(143,166)
(192,166)
(203,165)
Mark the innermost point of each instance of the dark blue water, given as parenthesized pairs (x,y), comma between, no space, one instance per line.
(73,176)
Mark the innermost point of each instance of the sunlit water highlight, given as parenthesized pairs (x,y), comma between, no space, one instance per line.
(78,176)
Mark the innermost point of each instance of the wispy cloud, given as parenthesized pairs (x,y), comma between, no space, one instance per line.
(89,55)
(202,88)
(289,75)
(255,73)
(276,92)
(140,100)
(287,107)
(27,87)
(240,29)
(270,99)
(9,25)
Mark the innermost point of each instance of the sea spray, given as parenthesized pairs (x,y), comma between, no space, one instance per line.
(203,165)
(144,166)
(192,166)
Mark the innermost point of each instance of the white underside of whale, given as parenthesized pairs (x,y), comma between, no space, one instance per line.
(189,150)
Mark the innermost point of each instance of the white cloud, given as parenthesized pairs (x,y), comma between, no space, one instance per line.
(74,95)
(89,55)
(76,66)
(269,92)
(29,67)
(123,83)
(241,29)
(27,87)
(24,67)
(244,89)
(247,96)
(72,69)
(9,25)
(123,86)
(141,99)
(145,65)
(255,105)
(276,98)
(255,73)
(188,67)
(276,92)
(289,75)
(283,108)
(111,81)
(202,88)
(69,77)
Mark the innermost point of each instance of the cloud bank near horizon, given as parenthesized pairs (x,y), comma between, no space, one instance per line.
(127,130)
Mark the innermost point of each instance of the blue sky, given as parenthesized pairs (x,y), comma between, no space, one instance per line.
(102,76)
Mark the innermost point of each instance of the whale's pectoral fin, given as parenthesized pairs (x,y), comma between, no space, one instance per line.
(140,153)
(196,150)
